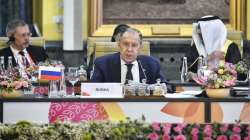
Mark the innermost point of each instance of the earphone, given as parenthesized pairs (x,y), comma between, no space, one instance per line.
(11,39)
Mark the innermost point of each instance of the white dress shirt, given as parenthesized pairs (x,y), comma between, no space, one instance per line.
(18,57)
(19,60)
(134,70)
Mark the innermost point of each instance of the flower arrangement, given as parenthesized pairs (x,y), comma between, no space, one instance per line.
(12,80)
(241,67)
(223,76)
(124,130)
(183,131)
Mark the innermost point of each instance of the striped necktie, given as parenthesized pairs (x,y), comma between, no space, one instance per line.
(24,59)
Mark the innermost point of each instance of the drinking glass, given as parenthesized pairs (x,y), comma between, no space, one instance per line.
(72,76)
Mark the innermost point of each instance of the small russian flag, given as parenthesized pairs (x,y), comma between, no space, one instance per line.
(49,73)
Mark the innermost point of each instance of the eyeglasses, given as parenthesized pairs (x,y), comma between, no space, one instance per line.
(25,35)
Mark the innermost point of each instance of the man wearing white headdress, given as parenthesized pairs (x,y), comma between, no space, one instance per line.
(210,41)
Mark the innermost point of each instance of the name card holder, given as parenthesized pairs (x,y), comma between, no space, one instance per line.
(101,90)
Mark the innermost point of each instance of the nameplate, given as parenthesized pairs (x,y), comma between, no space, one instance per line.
(101,90)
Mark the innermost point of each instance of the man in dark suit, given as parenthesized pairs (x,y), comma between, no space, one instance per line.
(22,52)
(115,67)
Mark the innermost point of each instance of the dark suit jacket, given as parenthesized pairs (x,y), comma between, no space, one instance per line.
(108,69)
(37,54)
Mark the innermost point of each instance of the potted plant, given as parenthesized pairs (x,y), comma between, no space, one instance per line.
(12,83)
(218,80)
(242,70)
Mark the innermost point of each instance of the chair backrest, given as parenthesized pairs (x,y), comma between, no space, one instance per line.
(236,37)
(103,48)
(36,41)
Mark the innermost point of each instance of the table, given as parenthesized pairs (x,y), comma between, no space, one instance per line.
(174,110)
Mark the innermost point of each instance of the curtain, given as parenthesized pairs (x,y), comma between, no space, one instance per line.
(14,9)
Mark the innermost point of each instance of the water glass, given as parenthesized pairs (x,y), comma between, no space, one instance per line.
(72,76)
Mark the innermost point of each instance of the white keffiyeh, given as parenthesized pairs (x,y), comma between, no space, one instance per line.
(214,35)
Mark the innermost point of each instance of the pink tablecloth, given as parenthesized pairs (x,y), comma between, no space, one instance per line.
(76,112)
(73,111)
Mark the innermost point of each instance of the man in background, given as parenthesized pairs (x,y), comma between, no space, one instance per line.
(23,54)
(210,41)
(118,30)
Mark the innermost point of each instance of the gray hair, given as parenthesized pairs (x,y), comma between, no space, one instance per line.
(12,25)
(129,30)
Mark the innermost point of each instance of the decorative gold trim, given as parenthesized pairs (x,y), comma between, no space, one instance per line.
(98,29)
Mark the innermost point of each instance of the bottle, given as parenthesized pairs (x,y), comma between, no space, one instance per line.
(142,88)
(62,84)
(2,67)
(184,70)
(53,88)
(200,62)
(10,65)
(82,74)
(200,66)
(157,89)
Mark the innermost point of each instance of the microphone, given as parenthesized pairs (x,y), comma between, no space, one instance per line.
(143,70)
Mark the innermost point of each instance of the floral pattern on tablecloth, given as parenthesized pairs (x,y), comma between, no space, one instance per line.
(76,112)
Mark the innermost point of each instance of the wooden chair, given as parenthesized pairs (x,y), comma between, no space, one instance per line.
(236,37)
(36,41)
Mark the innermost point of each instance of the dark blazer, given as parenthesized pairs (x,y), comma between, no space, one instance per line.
(37,54)
(108,69)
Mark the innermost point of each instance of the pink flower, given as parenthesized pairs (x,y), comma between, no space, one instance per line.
(166,137)
(178,129)
(166,129)
(195,131)
(156,126)
(208,130)
(180,137)
(236,129)
(208,126)
(224,128)
(222,137)
(16,84)
(248,128)
(153,136)
(183,125)
(235,137)
(25,84)
(197,125)
(167,125)
(247,138)
(195,137)
(3,83)
(234,72)
(229,83)
(207,138)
